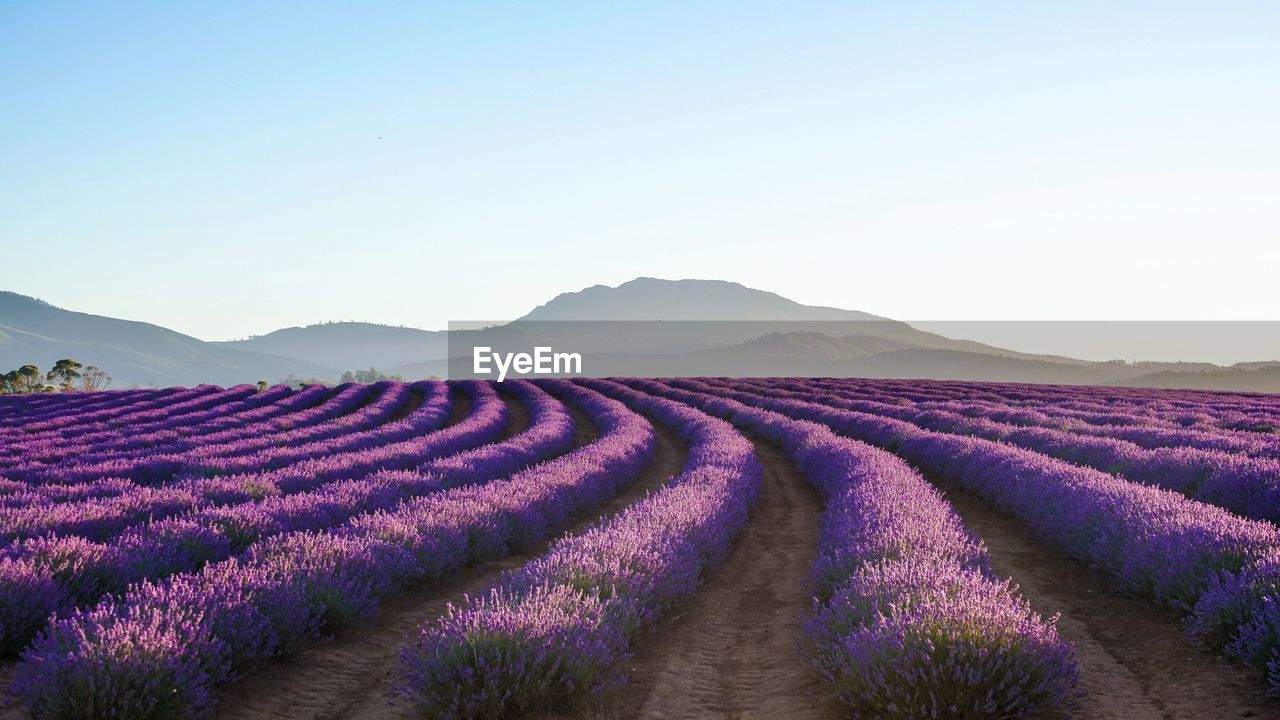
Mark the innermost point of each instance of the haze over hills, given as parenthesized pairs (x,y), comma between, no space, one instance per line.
(1243,377)
(133,353)
(348,345)
(643,327)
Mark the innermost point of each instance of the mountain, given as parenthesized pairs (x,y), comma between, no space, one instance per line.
(641,317)
(348,345)
(645,299)
(646,326)
(133,353)
(649,326)
(1241,377)
(814,354)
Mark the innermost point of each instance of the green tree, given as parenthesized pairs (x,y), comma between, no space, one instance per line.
(65,372)
(262,385)
(26,379)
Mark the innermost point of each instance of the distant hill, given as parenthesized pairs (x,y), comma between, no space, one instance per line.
(813,354)
(642,317)
(648,298)
(1243,377)
(133,353)
(348,345)
(646,326)
(728,312)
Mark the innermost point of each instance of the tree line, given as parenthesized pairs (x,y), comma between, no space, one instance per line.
(67,375)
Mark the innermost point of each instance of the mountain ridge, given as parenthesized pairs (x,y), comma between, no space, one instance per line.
(642,326)
(131,351)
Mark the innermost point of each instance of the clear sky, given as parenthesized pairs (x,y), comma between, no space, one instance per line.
(228,168)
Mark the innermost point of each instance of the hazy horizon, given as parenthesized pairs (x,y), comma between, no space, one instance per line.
(226,171)
(1218,342)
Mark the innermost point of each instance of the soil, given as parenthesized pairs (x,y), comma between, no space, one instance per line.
(732,650)
(10,706)
(411,403)
(459,408)
(518,418)
(352,677)
(1135,662)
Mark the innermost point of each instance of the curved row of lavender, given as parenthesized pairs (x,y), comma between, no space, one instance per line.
(69,422)
(176,434)
(161,649)
(1249,486)
(1146,429)
(1219,570)
(311,422)
(115,502)
(166,413)
(559,625)
(44,575)
(256,451)
(66,421)
(69,408)
(108,514)
(56,445)
(909,620)
(1250,412)
(24,410)
(140,464)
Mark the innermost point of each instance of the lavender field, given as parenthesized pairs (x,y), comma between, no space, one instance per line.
(703,547)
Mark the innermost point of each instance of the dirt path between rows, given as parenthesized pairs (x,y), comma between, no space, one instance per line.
(351,677)
(1135,663)
(459,408)
(10,706)
(731,651)
(518,418)
(410,404)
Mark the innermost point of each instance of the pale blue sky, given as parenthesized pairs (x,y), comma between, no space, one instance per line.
(231,169)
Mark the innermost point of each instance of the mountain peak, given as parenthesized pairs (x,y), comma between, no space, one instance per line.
(647,298)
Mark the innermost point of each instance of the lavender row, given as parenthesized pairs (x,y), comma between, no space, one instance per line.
(1185,408)
(313,423)
(329,428)
(1244,485)
(909,621)
(26,447)
(364,430)
(98,518)
(153,417)
(65,410)
(560,625)
(20,410)
(158,467)
(332,418)
(1237,411)
(1142,430)
(391,446)
(44,575)
(84,448)
(1218,569)
(164,647)
(66,419)
(289,412)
